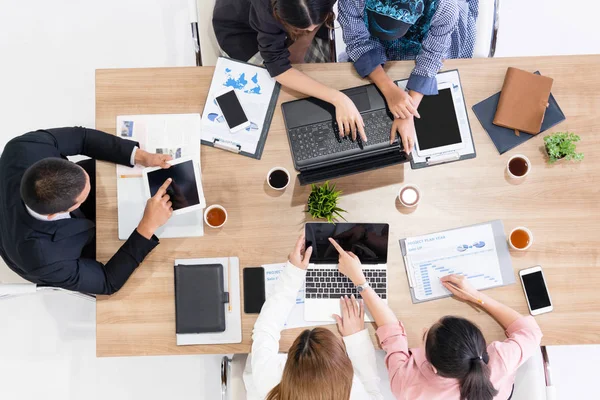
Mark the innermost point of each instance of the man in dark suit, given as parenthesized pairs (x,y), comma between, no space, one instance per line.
(47,209)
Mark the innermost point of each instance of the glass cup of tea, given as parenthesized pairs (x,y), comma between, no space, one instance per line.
(518,166)
(278,178)
(215,216)
(409,195)
(520,238)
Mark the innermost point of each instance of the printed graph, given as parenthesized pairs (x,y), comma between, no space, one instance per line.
(428,279)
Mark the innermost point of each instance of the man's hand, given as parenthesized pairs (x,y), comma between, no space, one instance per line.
(158,211)
(353,316)
(151,159)
(300,256)
(349,264)
(400,103)
(406,129)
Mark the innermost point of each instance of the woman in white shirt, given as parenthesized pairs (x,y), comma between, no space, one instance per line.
(319,365)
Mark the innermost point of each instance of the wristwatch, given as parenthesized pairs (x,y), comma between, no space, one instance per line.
(362,287)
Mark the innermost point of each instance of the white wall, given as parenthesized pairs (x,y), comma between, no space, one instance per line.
(49,51)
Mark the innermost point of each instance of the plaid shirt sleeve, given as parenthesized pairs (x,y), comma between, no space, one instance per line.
(435,48)
(363,50)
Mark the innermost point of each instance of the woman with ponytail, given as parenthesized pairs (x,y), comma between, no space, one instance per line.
(455,362)
(318,366)
(278,33)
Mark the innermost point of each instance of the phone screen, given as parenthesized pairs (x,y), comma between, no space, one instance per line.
(536,290)
(254,289)
(232,109)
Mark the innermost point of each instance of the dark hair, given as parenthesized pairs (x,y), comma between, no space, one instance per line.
(52,185)
(298,15)
(457,349)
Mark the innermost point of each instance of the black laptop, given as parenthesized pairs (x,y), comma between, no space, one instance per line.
(318,151)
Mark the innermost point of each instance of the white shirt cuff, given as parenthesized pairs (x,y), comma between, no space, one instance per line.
(132,158)
(358,339)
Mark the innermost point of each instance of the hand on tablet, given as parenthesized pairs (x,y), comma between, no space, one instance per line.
(151,159)
(406,129)
(158,211)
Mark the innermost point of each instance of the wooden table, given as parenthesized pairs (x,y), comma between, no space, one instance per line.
(559,203)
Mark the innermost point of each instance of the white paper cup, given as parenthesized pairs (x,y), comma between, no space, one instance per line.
(210,208)
(410,198)
(278,169)
(522,228)
(526,172)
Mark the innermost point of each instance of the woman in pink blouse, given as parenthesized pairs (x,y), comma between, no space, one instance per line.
(454,361)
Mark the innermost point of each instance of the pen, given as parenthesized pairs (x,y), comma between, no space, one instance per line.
(229,283)
(468,294)
(131,176)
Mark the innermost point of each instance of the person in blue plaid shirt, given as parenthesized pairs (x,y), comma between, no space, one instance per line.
(427,31)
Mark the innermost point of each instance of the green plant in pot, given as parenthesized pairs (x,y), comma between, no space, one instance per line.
(322,202)
(561,145)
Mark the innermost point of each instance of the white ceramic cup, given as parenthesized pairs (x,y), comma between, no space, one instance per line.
(410,198)
(210,208)
(528,166)
(522,228)
(279,169)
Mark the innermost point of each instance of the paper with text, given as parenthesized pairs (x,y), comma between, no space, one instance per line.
(470,252)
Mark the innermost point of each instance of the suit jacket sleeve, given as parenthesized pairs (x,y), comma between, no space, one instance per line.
(89,142)
(87,275)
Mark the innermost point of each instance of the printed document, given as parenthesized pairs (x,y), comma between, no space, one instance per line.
(470,252)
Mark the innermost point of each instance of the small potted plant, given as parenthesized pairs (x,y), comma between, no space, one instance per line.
(561,145)
(322,202)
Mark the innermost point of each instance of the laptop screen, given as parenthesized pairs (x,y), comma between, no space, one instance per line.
(368,241)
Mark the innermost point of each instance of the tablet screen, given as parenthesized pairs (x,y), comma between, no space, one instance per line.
(368,241)
(438,125)
(182,190)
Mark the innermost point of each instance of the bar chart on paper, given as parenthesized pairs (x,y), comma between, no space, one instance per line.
(428,276)
(470,253)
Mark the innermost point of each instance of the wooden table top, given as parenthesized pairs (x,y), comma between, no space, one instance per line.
(559,203)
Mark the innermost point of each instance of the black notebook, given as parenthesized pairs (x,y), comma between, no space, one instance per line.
(505,139)
(199,298)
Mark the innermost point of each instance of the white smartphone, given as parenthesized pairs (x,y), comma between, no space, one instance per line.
(536,290)
(438,130)
(232,110)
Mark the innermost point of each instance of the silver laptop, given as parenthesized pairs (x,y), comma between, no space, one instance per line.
(325,284)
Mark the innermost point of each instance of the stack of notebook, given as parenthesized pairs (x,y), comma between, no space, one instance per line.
(524,108)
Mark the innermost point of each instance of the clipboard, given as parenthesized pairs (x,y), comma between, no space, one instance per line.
(233,318)
(232,145)
(469,152)
(502,252)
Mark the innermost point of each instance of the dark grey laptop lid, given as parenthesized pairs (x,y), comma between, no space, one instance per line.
(311,110)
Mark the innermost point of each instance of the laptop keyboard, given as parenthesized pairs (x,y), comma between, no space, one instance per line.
(323,139)
(331,284)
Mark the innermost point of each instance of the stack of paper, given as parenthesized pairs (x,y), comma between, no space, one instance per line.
(470,252)
(175,134)
(257,93)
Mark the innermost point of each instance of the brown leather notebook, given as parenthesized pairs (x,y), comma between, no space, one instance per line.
(523,101)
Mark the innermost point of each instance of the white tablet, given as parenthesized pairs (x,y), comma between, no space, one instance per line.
(185,190)
(438,130)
